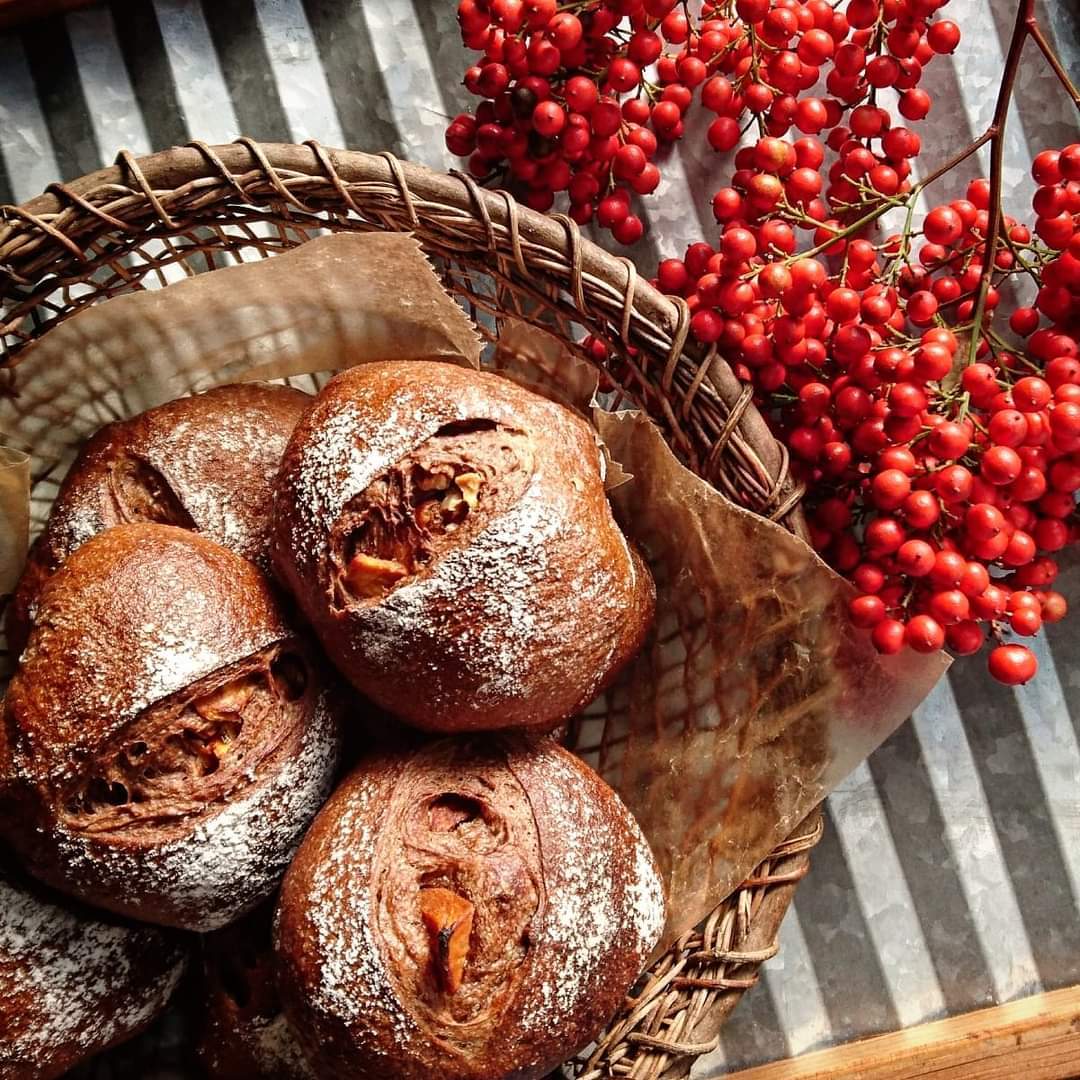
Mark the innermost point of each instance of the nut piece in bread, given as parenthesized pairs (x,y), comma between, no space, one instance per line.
(166,737)
(448,536)
(472,909)
(205,462)
(243,1032)
(73,982)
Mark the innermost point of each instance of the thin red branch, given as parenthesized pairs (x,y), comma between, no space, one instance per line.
(1035,32)
(1025,16)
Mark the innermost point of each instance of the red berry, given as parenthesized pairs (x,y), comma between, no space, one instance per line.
(629,161)
(867,611)
(868,577)
(924,634)
(943,36)
(883,536)
(1013,665)
(943,225)
(629,230)
(623,74)
(612,210)
(948,569)
(1046,167)
(1031,394)
(1008,427)
(922,307)
(974,580)
(914,104)
(1054,607)
(921,509)
(916,558)
(984,521)
(953,484)
(950,440)
(706,325)
(645,47)
(581,94)
(1020,549)
(1026,620)
(965,638)
(888,636)
(1001,465)
(991,604)
(565,30)
(949,606)
(723,132)
(890,488)
(549,118)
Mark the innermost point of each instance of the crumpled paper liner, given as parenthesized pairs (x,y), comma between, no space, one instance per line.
(754,696)
(14,514)
(540,362)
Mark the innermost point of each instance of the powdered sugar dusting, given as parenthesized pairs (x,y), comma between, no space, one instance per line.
(646,893)
(230,861)
(70,983)
(496,579)
(591,903)
(354,982)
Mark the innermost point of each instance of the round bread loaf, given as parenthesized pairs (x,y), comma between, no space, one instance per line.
(167,737)
(73,982)
(469,910)
(243,1032)
(205,462)
(447,534)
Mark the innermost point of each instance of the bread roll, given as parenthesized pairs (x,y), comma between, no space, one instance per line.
(243,1034)
(168,738)
(72,982)
(469,910)
(205,462)
(447,534)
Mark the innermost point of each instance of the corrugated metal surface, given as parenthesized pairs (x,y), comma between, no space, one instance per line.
(949,877)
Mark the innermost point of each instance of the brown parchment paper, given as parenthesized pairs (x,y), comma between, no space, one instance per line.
(539,361)
(328,304)
(753,697)
(14,514)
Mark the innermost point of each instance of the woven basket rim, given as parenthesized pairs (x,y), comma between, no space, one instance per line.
(690,989)
(70,216)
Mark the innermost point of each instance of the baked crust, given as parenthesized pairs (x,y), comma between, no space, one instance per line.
(167,737)
(74,982)
(206,462)
(509,834)
(447,534)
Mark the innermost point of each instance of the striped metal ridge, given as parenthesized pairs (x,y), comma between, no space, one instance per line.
(949,876)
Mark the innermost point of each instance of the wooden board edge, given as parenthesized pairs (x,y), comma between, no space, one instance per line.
(1035,1038)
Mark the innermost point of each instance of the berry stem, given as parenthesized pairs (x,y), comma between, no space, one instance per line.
(1034,30)
(1025,18)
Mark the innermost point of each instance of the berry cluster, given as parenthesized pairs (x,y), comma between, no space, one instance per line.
(579,98)
(942,462)
(939,439)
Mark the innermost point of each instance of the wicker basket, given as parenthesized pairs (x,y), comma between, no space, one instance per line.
(120,228)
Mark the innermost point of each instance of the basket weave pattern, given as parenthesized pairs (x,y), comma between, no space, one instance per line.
(145,222)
